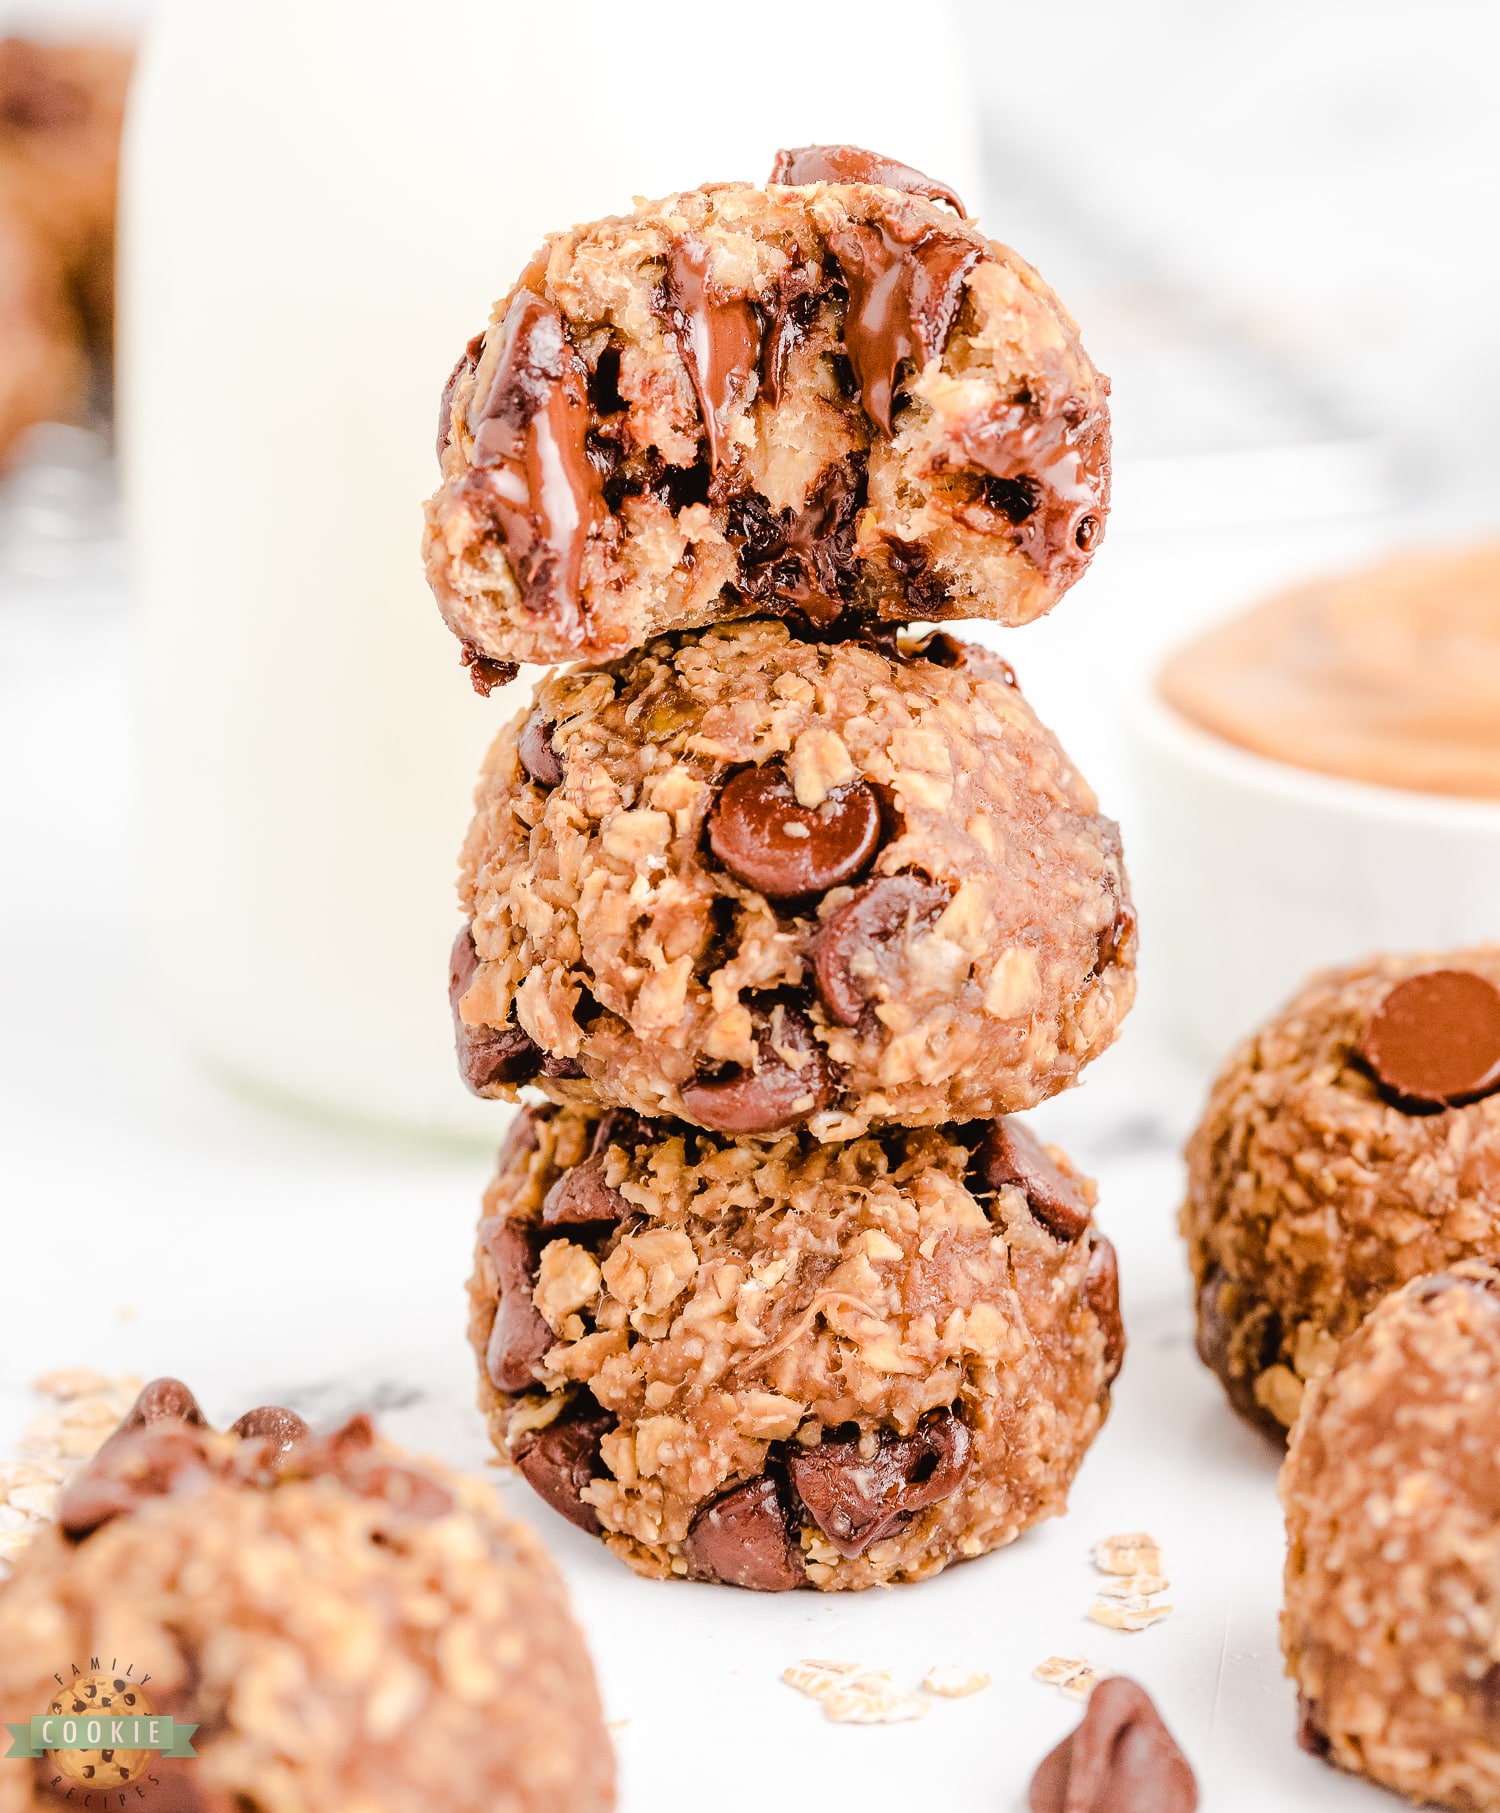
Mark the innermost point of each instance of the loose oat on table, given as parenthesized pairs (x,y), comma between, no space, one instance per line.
(1074,1676)
(872,1699)
(55,1441)
(1134,1553)
(1316,1186)
(779,1363)
(751,881)
(347,1627)
(1391,1621)
(1135,1613)
(950,1683)
(832,397)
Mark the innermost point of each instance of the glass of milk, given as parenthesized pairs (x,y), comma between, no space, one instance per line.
(321,200)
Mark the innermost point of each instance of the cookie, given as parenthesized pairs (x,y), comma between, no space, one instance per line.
(751,882)
(61,111)
(781,1364)
(1390,1624)
(345,1625)
(1349,1145)
(831,398)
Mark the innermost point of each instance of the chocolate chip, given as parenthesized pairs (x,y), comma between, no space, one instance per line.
(485,674)
(164,1401)
(850,164)
(1101,1292)
(1434,1041)
(940,648)
(882,912)
(530,418)
(718,337)
(521,1137)
(487,1055)
(279,1429)
(467,361)
(1309,1737)
(581,1197)
(1237,1340)
(520,1335)
(775,1093)
(743,1539)
(1120,1759)
(855,1499)
(905,283)
(1010,1154)
(765,839)
(534,747)
(560,1460)
(136,1463)
(620,1127)
(1117,940)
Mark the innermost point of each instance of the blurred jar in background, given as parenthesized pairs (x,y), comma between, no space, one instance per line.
(321,201)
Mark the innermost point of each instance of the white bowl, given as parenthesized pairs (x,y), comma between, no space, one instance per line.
(1253,873)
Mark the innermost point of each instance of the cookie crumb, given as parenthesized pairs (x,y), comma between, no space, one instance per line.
(955,1683)
(1128,1614)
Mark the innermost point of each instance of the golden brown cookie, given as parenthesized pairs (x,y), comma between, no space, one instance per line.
(781,1365)
(832,398)
(1348,1146)
(345,1625)
(752,882)
(1391,1621)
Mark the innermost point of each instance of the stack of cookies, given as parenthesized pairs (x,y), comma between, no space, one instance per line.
(783,907)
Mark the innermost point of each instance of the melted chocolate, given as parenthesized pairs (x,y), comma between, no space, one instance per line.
(800,560)
(851,164)
(905,282)
(718,337)
(1050,474)
(530,419)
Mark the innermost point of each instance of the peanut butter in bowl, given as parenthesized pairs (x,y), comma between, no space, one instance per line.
(1389,676)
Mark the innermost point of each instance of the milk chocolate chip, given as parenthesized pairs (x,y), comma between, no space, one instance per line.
(560,1460)
(468,361)
(520,1335)
(1121,1759)
(530,417)
(484,674)
(765,839)
(280,1429)
(164,1401)
(856,1498)
(1434,1041)
(1101,1292)
(883,911)
(718,337)
(486,1054)
(905,282)
(850,164)
(1011,1154)
(135,1464)
(800,562)
(538,757)
(742,1539)
(581,1197)
(791,1079)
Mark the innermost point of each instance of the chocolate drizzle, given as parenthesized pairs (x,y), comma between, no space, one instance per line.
(530,419)
(718,337)
(905,280)
(852,164)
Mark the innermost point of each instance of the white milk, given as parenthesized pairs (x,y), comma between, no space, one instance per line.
(321,200)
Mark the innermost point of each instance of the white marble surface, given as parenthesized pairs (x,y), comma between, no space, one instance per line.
(155,1221)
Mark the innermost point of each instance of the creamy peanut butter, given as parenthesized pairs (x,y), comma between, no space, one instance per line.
(1391,675)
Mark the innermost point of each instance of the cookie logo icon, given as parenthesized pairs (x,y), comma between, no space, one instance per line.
(100,1738)
(102,1699)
